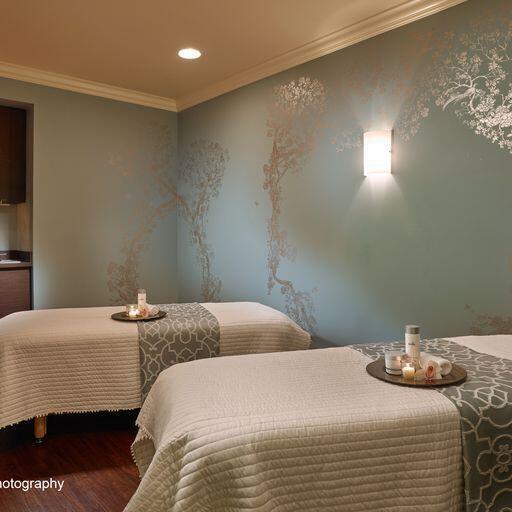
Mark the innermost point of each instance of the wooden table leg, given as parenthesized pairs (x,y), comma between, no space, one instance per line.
(40,428)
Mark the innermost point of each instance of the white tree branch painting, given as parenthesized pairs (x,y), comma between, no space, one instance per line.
(476,84)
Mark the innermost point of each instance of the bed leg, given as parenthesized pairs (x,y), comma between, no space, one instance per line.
(40,429)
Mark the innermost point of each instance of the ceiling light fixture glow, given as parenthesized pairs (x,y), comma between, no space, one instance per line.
(189,53)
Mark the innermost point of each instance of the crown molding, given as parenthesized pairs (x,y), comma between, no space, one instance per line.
(408,12)
(69,83)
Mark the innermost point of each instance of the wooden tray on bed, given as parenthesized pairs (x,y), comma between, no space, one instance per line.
(122,316)
(456,376)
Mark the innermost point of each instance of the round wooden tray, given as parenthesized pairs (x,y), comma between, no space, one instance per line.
(122,316)
(377,370)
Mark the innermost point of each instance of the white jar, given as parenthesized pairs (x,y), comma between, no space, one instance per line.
(412,341)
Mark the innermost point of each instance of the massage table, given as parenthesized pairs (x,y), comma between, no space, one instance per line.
(312,430)
(80,360)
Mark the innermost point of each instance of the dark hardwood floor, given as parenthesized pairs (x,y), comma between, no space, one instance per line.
(89,452)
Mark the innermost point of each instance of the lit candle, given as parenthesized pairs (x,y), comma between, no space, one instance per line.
(132,310)
(408,371)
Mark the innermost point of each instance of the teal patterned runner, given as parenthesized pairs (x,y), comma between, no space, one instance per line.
(188,332)
(484,402)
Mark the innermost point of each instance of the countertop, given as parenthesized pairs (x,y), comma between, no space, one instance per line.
(24,258)
(11,266)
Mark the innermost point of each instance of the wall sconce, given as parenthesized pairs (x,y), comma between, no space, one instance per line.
(377,152)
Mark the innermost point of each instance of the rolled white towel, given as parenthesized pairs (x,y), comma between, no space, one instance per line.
(435,373)
(444,364)
(151,310)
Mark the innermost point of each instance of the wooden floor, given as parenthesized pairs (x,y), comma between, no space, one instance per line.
(90,453)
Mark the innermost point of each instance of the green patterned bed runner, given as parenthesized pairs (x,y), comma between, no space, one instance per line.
(484,402)
(188,332)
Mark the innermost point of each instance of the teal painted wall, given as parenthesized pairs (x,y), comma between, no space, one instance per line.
(102,225)
(292,222)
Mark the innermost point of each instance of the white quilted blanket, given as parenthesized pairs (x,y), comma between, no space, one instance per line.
(75,360)
(297,431)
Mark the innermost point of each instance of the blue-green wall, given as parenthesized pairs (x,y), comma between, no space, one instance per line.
(365,256)
(94,195)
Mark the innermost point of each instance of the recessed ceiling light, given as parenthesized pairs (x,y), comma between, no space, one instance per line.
(189,53)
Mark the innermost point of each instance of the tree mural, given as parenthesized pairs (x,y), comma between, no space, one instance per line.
(202,171)
(476,84)
(292,126)
(469,75)
(154,204)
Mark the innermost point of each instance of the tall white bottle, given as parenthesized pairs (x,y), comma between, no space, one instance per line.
(141,301)
(412,341)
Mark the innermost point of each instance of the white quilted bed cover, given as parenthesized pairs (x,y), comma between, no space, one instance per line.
(297,431)
(76,360)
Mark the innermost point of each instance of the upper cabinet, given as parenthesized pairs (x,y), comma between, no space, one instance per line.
(13,148)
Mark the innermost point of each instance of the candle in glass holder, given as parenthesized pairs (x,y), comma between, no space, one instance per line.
(393,362)
(132,310)
(408,371)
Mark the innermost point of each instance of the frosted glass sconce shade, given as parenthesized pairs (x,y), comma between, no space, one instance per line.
(377,152)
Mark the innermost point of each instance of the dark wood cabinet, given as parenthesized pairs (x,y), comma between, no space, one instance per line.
(13,129)
(15,291)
